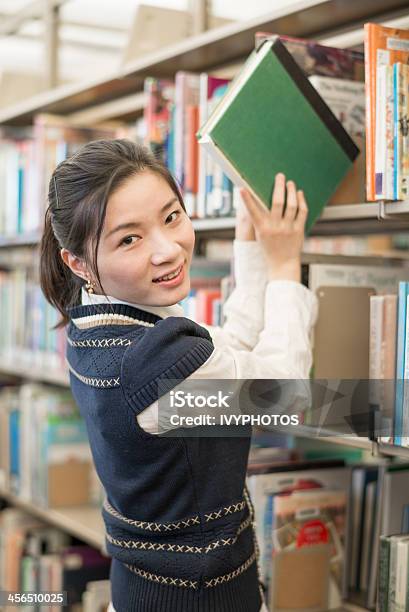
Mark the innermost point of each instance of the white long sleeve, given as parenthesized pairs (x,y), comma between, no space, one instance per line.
(244,308)
(283,350)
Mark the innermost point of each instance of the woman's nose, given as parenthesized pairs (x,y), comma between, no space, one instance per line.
(164,249)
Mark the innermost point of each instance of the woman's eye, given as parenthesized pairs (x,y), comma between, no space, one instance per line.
(123,241)
(175,212)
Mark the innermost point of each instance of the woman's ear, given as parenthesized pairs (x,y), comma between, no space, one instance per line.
(76,265)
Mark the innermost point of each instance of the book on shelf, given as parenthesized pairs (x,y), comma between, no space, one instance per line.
(393,589)
(387,162)
(338,76)
(281,486)
(211,284)
(37,557)
(372,346)
(270,118)
(45,457)
(27,160)
(26,335)
(322,60)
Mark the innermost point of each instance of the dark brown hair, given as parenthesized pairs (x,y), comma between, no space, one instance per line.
(78,194)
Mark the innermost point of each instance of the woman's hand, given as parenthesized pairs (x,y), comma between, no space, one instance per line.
(244,224)
(281,235)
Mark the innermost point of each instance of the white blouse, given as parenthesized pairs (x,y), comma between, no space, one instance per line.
(267,329)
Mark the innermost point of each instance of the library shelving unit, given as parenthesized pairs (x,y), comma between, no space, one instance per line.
(119,96)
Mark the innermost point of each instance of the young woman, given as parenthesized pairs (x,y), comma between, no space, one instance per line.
(177,513)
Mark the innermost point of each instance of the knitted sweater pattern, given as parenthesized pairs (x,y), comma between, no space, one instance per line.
(178,518)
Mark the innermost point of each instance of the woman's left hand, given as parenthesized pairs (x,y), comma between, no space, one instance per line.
(244,225)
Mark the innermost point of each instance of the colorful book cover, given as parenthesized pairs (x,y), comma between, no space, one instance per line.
(401,130)
(157,114)
(210,88)
(316,59)
(383,46)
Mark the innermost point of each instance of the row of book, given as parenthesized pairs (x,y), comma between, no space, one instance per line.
(38,558)
(369,342)
(26,334)
(28,157)
(322,525)
(394,572)
(45,457)
(301,512)
(27,337)
(175,111)
(387,100)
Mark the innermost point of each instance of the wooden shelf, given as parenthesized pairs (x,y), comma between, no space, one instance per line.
(366,218)
(83,522)
(228,43)
(33,372)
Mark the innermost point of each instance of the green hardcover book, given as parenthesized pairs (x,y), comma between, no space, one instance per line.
(271,120)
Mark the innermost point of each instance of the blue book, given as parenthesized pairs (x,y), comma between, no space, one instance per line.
(400,362)
(14,437)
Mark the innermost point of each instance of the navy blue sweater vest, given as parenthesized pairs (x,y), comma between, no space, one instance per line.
(178,518)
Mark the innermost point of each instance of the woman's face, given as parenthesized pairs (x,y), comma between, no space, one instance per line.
(159,239)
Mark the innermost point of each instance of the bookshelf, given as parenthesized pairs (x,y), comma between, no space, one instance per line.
(318,19)
(366,218)
(119,96)
(83,522)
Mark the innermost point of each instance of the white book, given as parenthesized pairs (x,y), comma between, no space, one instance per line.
(389,127)
(384,280)
(346,99)
(375,347)
(380,129)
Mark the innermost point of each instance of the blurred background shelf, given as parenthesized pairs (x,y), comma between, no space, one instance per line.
(83,522)
(320,19)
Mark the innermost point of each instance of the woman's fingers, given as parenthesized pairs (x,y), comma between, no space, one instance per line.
(278,198)
(257,211)
(292,203)
(302,210)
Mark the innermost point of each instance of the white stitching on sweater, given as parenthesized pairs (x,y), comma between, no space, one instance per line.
(193,583)
(96,382)
(99,343)
(226,577)
(137,544)
(162,579)
(149,526)
(108,319)
(194,520)
(225,511)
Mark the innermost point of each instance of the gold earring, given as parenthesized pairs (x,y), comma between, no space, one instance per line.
(89,286)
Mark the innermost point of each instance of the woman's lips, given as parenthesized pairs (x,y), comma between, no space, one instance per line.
(173,282)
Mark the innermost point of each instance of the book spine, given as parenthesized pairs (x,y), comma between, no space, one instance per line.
(389,370)
(370,80)
(375,347)
(389,127)
(380,148)
(383,577)
(401,576)
(400,362)
(396,147)
(403,131)
(405,409)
